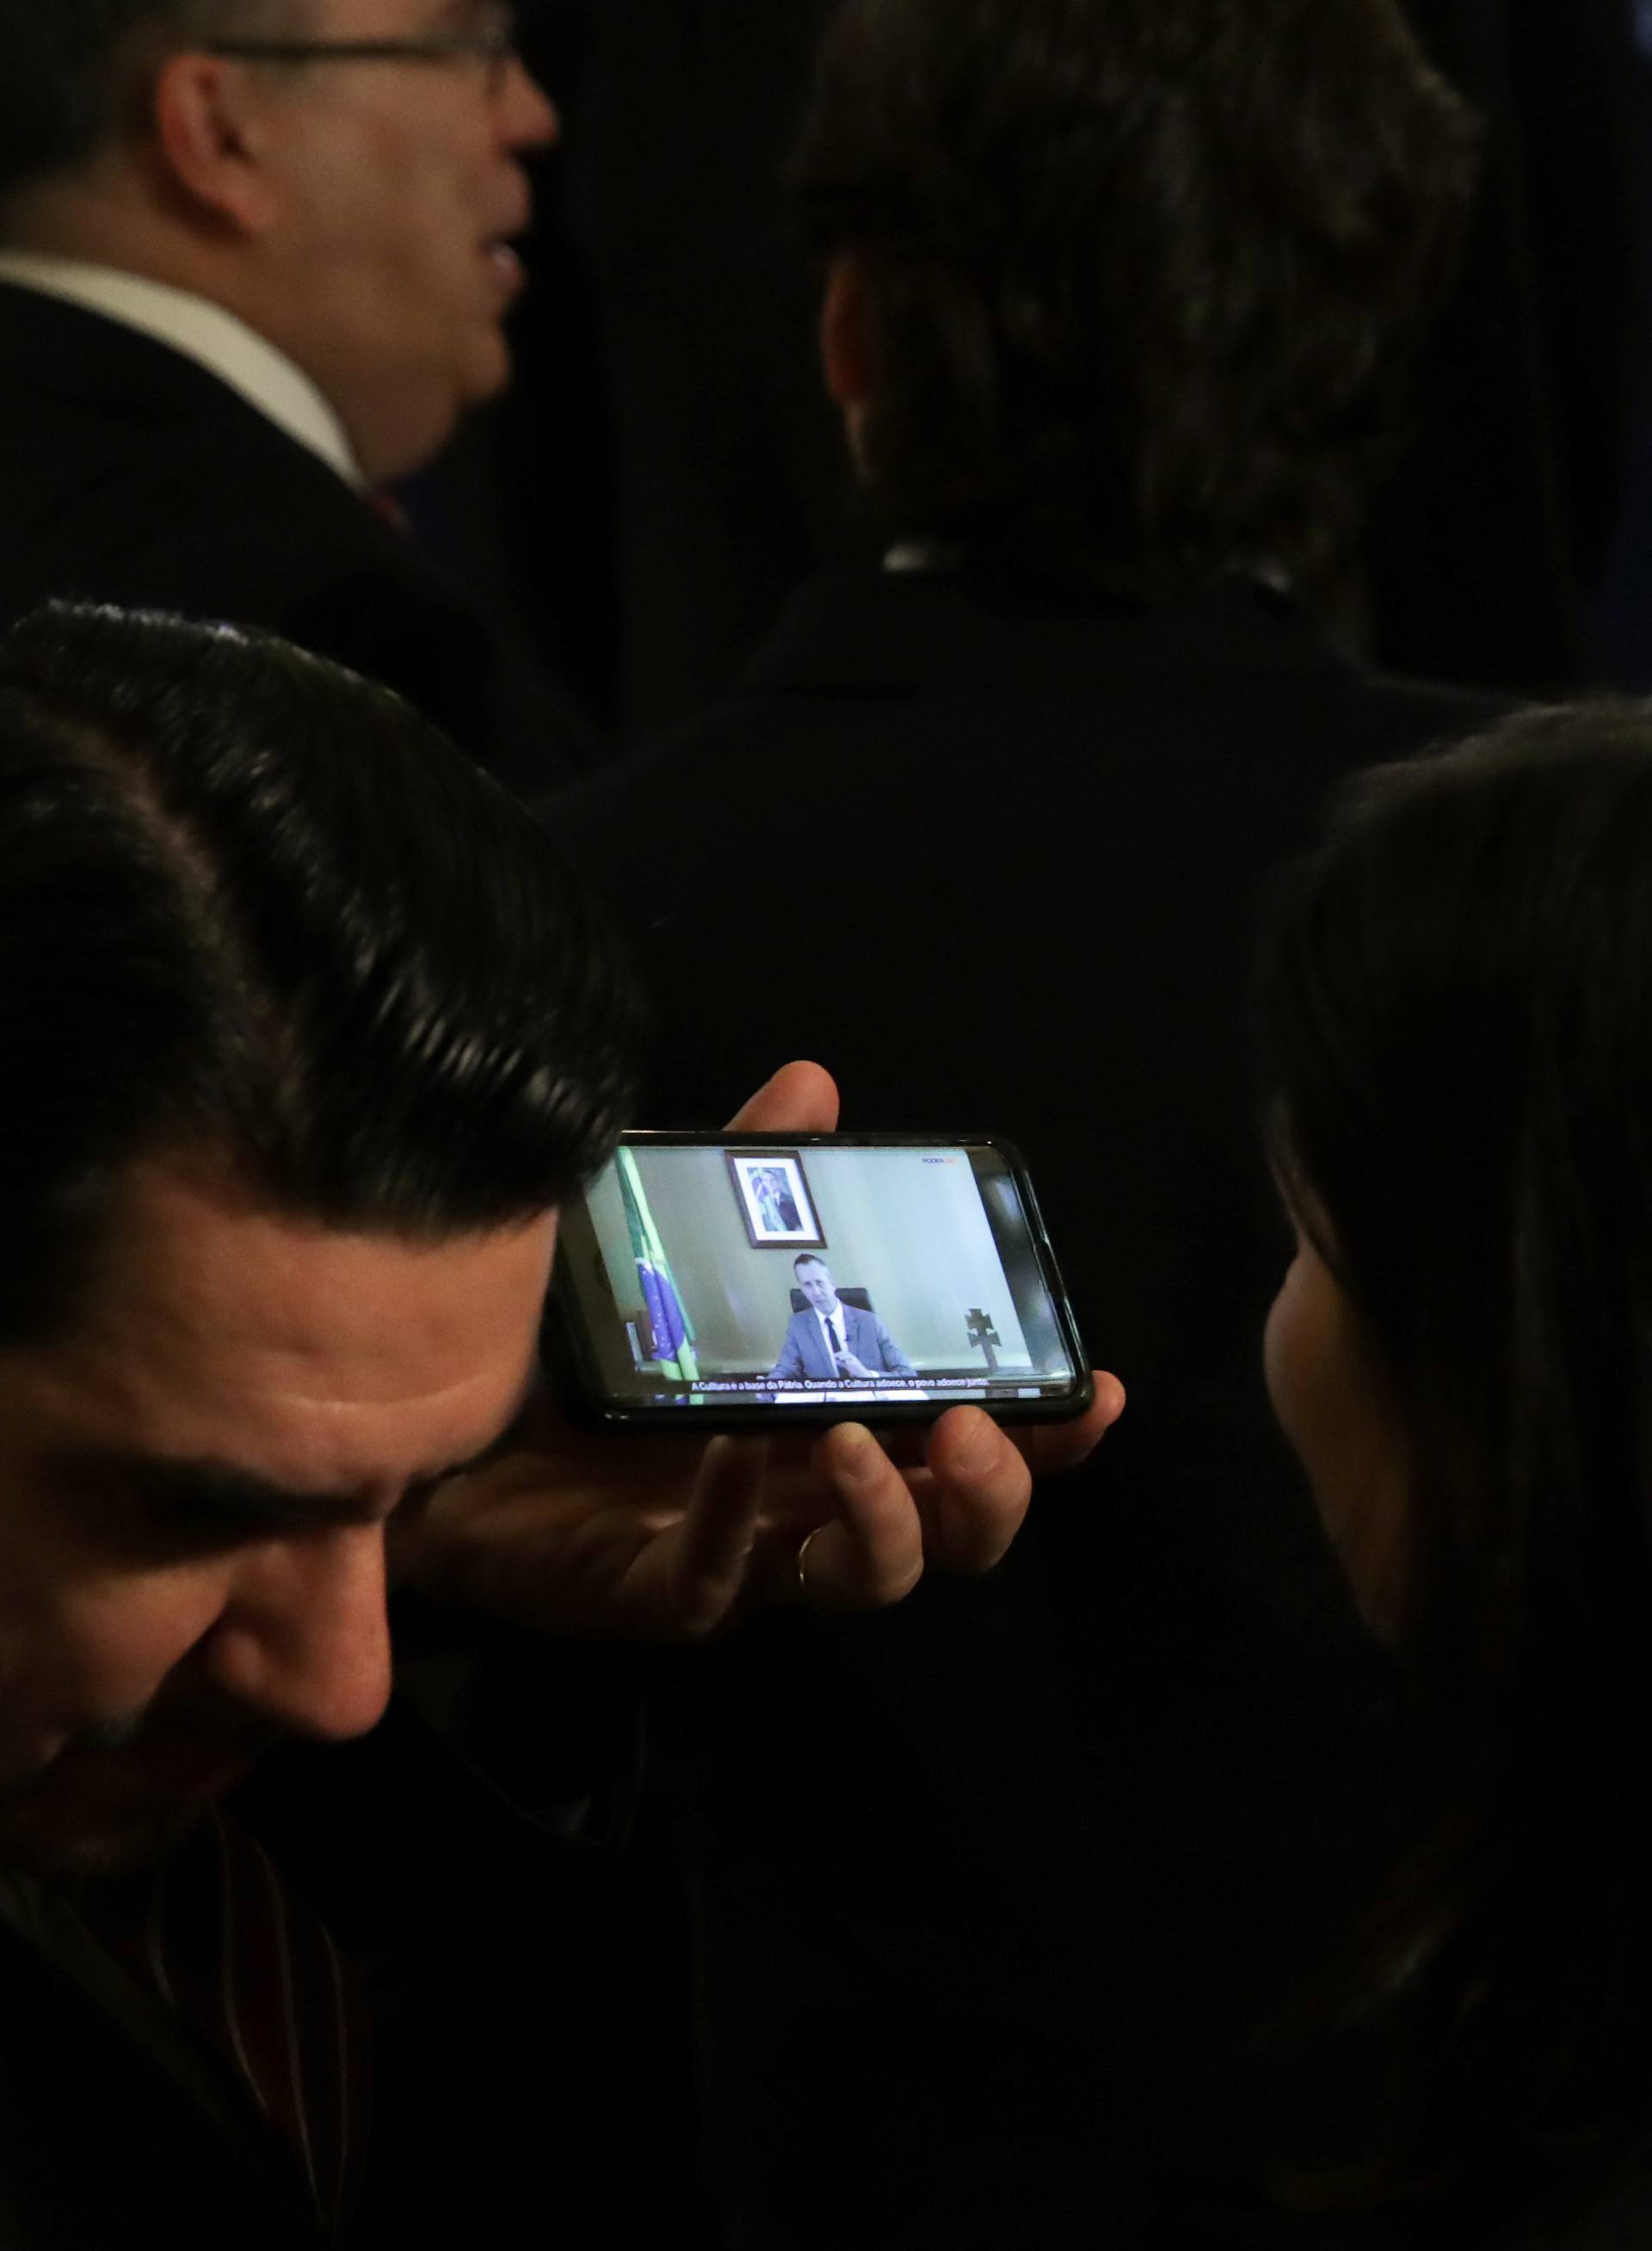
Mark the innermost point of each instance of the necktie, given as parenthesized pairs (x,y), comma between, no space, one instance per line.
(386,506)
(837,1342)
(234,1953)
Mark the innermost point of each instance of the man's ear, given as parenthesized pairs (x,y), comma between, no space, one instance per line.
(845,335)
(206,125)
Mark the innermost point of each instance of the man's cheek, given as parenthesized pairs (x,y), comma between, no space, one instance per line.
(111,1644)
(28,1734)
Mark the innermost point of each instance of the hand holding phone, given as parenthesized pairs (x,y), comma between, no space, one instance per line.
(673,1540)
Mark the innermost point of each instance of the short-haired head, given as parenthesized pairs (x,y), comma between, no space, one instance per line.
(79,73)
(809,1258)
(1141,277)
(254,910)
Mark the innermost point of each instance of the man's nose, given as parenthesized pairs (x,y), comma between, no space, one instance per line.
(529,118)
(305,1638)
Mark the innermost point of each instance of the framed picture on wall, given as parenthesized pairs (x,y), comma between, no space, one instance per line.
(774,1199)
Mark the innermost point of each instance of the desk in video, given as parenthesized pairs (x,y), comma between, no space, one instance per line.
(836,1274)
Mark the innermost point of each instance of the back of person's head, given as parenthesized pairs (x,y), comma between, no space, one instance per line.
(1456,1025)
(1143,278)
(78,73)
(253,908)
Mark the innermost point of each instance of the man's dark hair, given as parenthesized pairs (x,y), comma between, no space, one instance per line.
(254,907)
(1455,1018)
(1143,276)
(77,72)
(807,1258)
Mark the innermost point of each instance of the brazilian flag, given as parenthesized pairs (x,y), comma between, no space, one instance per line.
(672,1332)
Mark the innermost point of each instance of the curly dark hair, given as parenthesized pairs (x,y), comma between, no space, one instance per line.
(1144,276)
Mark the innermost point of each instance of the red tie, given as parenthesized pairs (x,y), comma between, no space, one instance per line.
(386,505)
(240,1958)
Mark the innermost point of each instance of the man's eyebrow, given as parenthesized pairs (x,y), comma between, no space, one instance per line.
(235,1496)
(204,1486)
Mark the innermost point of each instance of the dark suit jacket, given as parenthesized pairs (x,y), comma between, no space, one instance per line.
(98,2140)
(1060,814)
(526,2027)
(132,475)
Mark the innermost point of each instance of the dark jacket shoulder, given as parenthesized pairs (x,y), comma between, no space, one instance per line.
(134,475)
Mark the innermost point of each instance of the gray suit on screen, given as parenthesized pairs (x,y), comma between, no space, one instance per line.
(803,1357)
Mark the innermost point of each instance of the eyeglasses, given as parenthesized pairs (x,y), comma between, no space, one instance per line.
(492,45)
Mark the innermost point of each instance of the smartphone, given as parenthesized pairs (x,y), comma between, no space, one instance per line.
(755,1281)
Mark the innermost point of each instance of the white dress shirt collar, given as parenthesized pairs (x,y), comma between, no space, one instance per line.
(215,339)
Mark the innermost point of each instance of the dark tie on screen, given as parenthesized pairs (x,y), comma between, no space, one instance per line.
(230,1948)
(837,1342)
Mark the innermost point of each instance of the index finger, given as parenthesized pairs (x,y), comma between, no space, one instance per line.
(801,1098)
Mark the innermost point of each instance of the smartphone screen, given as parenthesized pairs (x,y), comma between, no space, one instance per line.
(815,1278)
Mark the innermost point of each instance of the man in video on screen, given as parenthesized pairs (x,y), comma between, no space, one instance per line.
(776,1202)
(830,1342)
